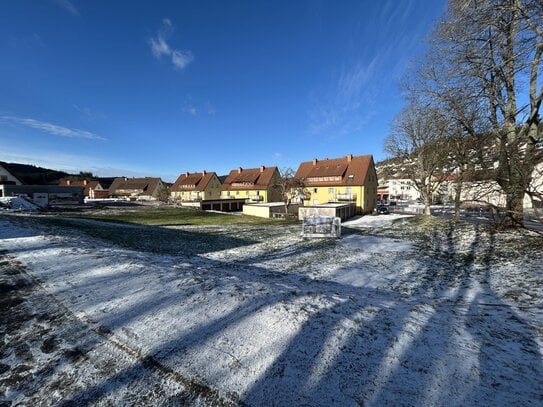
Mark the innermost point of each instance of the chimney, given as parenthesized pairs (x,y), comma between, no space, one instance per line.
(204,172)
(186,174)
(262,168)
(85,182)
(349,158)
(239,170)
(68,182)
(314,161)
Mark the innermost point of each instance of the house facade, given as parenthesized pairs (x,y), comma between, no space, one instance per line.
(201,186)
(7,177)
(403,190)
(91,189)
(255,185)
(340,180)
(147,188)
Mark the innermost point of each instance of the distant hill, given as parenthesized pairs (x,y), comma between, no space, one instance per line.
(33,175)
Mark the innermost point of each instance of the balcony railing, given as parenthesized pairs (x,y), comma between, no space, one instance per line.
(346,197)
(255,197)
(227,197)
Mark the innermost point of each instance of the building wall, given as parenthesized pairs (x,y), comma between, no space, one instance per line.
(323,194)
(245,194)
(213,189)
(489,191)
(8,176)
(269,194)
(211,192)
(266,211)
(256,210)
(274,193)
(187,195)
(401,189)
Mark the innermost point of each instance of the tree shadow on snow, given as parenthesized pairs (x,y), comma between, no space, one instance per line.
(356,346)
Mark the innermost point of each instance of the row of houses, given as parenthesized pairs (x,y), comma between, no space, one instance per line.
(350,179)
(347,181)
(483,189)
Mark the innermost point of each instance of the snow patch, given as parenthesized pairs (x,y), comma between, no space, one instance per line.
(17,203)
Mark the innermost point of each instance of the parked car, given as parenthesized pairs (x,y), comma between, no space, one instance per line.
(382,210)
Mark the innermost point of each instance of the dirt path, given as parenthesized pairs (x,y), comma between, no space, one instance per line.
(48,356)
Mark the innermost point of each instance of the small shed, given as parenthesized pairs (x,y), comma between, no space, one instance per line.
(269,209)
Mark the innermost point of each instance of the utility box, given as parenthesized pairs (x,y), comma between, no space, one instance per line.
(321,226)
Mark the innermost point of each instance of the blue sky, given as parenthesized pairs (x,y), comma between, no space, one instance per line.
(163,87)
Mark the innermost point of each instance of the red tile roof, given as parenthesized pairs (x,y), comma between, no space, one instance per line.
(197,181)
(349,170)
(88,185)
(249,178)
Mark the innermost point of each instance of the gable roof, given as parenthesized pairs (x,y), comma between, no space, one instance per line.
(197,181)
(352,170)
(87,185)
(9,175)
(142,186)
(249,178)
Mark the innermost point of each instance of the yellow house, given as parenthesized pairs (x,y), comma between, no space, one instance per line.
(255,185)
(340,180)
(199,186)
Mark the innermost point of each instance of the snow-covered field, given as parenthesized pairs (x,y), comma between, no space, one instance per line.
(401,313)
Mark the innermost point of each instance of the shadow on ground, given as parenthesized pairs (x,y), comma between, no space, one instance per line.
(451,341)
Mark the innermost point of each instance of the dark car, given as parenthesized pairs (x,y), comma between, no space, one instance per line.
(382,210)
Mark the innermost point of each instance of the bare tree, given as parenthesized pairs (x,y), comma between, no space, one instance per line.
(418,133)
(466,141)
(290,187)
(495,49)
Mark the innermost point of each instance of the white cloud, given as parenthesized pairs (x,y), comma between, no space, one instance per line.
(160,47)
(210,108)
(191,110)
(68,6)
(50,128)
(197,108)
(180,59)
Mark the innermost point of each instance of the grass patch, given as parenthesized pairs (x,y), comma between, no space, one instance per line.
(153,239)
(181,216)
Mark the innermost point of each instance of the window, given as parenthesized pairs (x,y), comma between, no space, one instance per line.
(330,190)
(237,192)
(314,190)
(351,176)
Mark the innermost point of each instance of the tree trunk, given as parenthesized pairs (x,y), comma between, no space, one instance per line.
(427,203)
(515,208)
(457,201)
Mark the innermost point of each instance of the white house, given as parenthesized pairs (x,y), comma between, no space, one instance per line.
(7,177)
